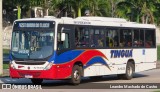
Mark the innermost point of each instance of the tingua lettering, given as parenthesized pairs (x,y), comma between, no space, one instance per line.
(121,53)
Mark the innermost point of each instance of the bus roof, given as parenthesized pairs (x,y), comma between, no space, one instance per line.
(96,21)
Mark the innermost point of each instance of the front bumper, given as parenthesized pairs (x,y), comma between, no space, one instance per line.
(41,74)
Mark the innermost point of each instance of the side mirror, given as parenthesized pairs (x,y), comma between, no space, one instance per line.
(63,36)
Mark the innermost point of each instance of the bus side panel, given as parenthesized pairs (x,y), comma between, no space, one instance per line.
(98,70)
(92,60)
(106,71)
(119,59)
(101,66)
(115,65)
(92,70)
(63,72)
(111,69)
(150,58)
(138,57)
(144,59)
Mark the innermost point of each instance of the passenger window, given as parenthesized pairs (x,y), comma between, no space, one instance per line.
(141,38)
(149,38)
(138,38)
(81,37)
(96,37)
(125,38)
(91,35)
(112,38)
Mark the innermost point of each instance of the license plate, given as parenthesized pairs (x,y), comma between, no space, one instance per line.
(28,76)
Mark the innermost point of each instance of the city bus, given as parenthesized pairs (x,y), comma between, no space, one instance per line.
(52,48)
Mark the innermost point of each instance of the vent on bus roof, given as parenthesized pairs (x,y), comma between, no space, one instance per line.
(49,17)
(66,18)
(133,22)
(103,19)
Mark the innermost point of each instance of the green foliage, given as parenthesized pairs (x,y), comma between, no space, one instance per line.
(138,10)
(19,12)
(157,91)
(5,66)
(143,11)
(6,51)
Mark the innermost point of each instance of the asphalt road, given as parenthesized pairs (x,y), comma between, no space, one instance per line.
(91,85)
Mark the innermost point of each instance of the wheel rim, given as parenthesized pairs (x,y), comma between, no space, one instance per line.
(76,75)
(129,70)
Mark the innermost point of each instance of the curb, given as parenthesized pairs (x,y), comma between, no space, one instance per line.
(158,65)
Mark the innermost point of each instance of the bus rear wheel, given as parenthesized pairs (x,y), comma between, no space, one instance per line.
(76,75)
(37,81)
(129,72)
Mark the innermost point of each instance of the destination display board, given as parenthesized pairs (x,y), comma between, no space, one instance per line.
(34,24)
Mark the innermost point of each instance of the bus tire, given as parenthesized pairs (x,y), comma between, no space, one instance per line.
(76,75)
(129,72)
(37,81)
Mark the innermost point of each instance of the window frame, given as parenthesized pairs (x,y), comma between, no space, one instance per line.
(73,46)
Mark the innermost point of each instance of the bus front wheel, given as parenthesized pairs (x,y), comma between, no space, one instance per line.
(76,75)
(37,81)
(129,72)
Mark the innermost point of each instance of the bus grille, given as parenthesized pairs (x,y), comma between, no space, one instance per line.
(30,62)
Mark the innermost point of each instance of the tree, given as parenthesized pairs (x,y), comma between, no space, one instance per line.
(60,8)
(77,5)
(145,11)
(137,10)
(157,13)
(19,4)
(96,7)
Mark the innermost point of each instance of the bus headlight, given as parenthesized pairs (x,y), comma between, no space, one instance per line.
(48,66)
(12,65)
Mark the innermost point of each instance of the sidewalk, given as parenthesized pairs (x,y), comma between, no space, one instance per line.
(6,71)
(158,64)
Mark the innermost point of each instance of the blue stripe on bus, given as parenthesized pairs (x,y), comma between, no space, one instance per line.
(66,56)
(52,58)
(95,60)
(10,57)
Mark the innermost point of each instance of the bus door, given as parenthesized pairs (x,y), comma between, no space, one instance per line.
(64,47)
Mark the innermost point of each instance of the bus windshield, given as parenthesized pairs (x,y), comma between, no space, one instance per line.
(32,44)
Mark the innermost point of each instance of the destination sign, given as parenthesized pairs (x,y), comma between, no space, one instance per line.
(34,24)
(42,25)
